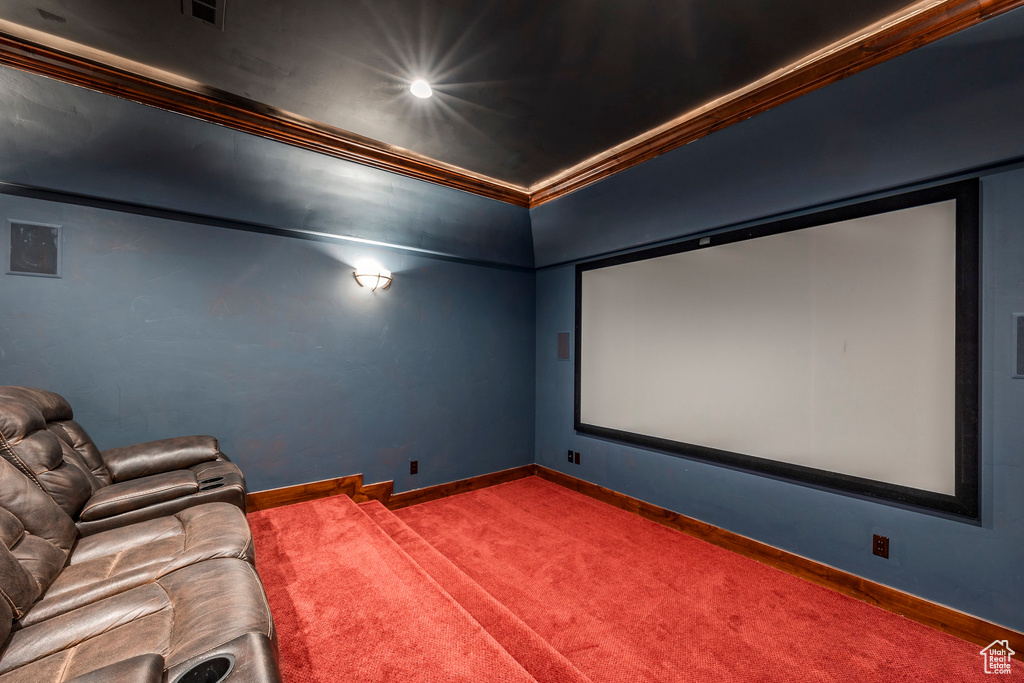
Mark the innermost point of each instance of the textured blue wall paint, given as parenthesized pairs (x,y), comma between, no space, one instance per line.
(162,328)
(943,109)
(952,105)
(58,137)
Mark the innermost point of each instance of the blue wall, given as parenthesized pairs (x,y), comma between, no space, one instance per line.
(942,110)
(168,326)
(161,328)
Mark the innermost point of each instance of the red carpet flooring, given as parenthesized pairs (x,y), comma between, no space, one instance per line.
(625,599)
(527,581)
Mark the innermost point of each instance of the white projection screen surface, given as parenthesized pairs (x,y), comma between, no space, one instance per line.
(831,347)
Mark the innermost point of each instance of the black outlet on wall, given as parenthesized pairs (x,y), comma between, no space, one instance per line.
(570,455)
(880,546)
(414,466)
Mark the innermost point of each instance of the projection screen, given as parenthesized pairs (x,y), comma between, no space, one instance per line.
(823,349)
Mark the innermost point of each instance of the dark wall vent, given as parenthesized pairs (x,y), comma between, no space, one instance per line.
(34,249)
(208,11)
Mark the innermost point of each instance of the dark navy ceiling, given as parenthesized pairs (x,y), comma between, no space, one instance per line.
(524,89)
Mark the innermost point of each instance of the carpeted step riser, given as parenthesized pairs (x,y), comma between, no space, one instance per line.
(536,655)
(350,605)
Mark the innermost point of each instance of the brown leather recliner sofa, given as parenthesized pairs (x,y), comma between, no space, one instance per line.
(173,597)
(107,489)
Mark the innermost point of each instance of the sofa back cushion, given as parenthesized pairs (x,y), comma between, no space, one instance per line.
(35,539)
(6,615)
(20,589)
(40,453)
(71,433)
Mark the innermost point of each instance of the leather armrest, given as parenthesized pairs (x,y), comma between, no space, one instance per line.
(141,669)
(138,493)
(154,457)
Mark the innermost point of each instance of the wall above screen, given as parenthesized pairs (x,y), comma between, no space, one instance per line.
(837,349)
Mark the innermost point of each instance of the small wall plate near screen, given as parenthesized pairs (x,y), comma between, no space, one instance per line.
(33,249)
(1018,346)
(563,346)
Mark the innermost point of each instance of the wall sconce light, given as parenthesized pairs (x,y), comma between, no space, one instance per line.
(373,278)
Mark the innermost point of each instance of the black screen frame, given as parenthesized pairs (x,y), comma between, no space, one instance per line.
(965,503)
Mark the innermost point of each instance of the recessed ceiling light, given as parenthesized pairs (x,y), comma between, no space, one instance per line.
(420,88)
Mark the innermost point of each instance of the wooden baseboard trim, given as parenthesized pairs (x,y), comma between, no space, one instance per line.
(940,617)
(381,491)
(407,498)
(351,486)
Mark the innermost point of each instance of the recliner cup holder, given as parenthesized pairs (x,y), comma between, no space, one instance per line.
(212,670)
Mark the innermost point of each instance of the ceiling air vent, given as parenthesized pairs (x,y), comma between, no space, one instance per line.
(208,11)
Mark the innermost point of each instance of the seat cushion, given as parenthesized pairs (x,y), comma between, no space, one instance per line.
(194,610)
(118,560)
(138,493)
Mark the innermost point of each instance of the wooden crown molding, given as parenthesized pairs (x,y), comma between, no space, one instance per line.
(40,53)
(913,26)
(917,24)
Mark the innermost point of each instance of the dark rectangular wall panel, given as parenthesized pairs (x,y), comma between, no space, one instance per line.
(1018,345)
(34,249)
